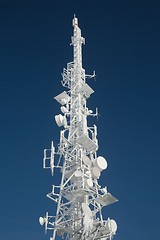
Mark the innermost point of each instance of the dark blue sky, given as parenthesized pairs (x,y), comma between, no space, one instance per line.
(123,46)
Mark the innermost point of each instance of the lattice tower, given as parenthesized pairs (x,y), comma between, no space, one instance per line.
(79,197)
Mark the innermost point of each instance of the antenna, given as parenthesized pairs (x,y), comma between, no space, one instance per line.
(78,197)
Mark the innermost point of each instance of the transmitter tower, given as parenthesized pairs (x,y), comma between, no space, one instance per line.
(79,198)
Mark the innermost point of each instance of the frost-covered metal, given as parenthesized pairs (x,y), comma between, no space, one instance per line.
(79,198)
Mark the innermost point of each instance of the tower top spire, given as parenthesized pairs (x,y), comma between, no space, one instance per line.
(75,21)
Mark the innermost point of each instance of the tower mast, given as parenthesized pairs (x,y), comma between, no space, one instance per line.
(78,196)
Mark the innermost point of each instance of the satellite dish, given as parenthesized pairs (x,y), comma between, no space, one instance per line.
(95,173)
(86,210)
(112,225)
(101,163)
(89,183)
(86,161)
(60,120)
(41,220)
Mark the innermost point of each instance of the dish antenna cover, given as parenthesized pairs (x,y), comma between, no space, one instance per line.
(64,109)
(86,161)
(95,173)
(112,226)
(89,183)
(41,220)
(60,120)
(101,163)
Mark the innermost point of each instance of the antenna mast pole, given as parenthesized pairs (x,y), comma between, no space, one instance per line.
(78,196)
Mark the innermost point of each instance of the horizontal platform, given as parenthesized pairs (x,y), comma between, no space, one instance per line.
(87,143)
(106,199)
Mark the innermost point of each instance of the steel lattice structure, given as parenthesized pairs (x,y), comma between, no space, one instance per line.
(79,197)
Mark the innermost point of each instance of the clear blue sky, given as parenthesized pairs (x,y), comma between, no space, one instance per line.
(123,46)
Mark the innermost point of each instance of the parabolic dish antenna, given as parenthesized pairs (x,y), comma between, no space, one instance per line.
(101,163)
(41,220)
(112,226)
(86,161)
(86,210)
(60,120)
(63,109)
(95,173)
(89,182)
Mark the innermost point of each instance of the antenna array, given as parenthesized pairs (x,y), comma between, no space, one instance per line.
(79,197)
